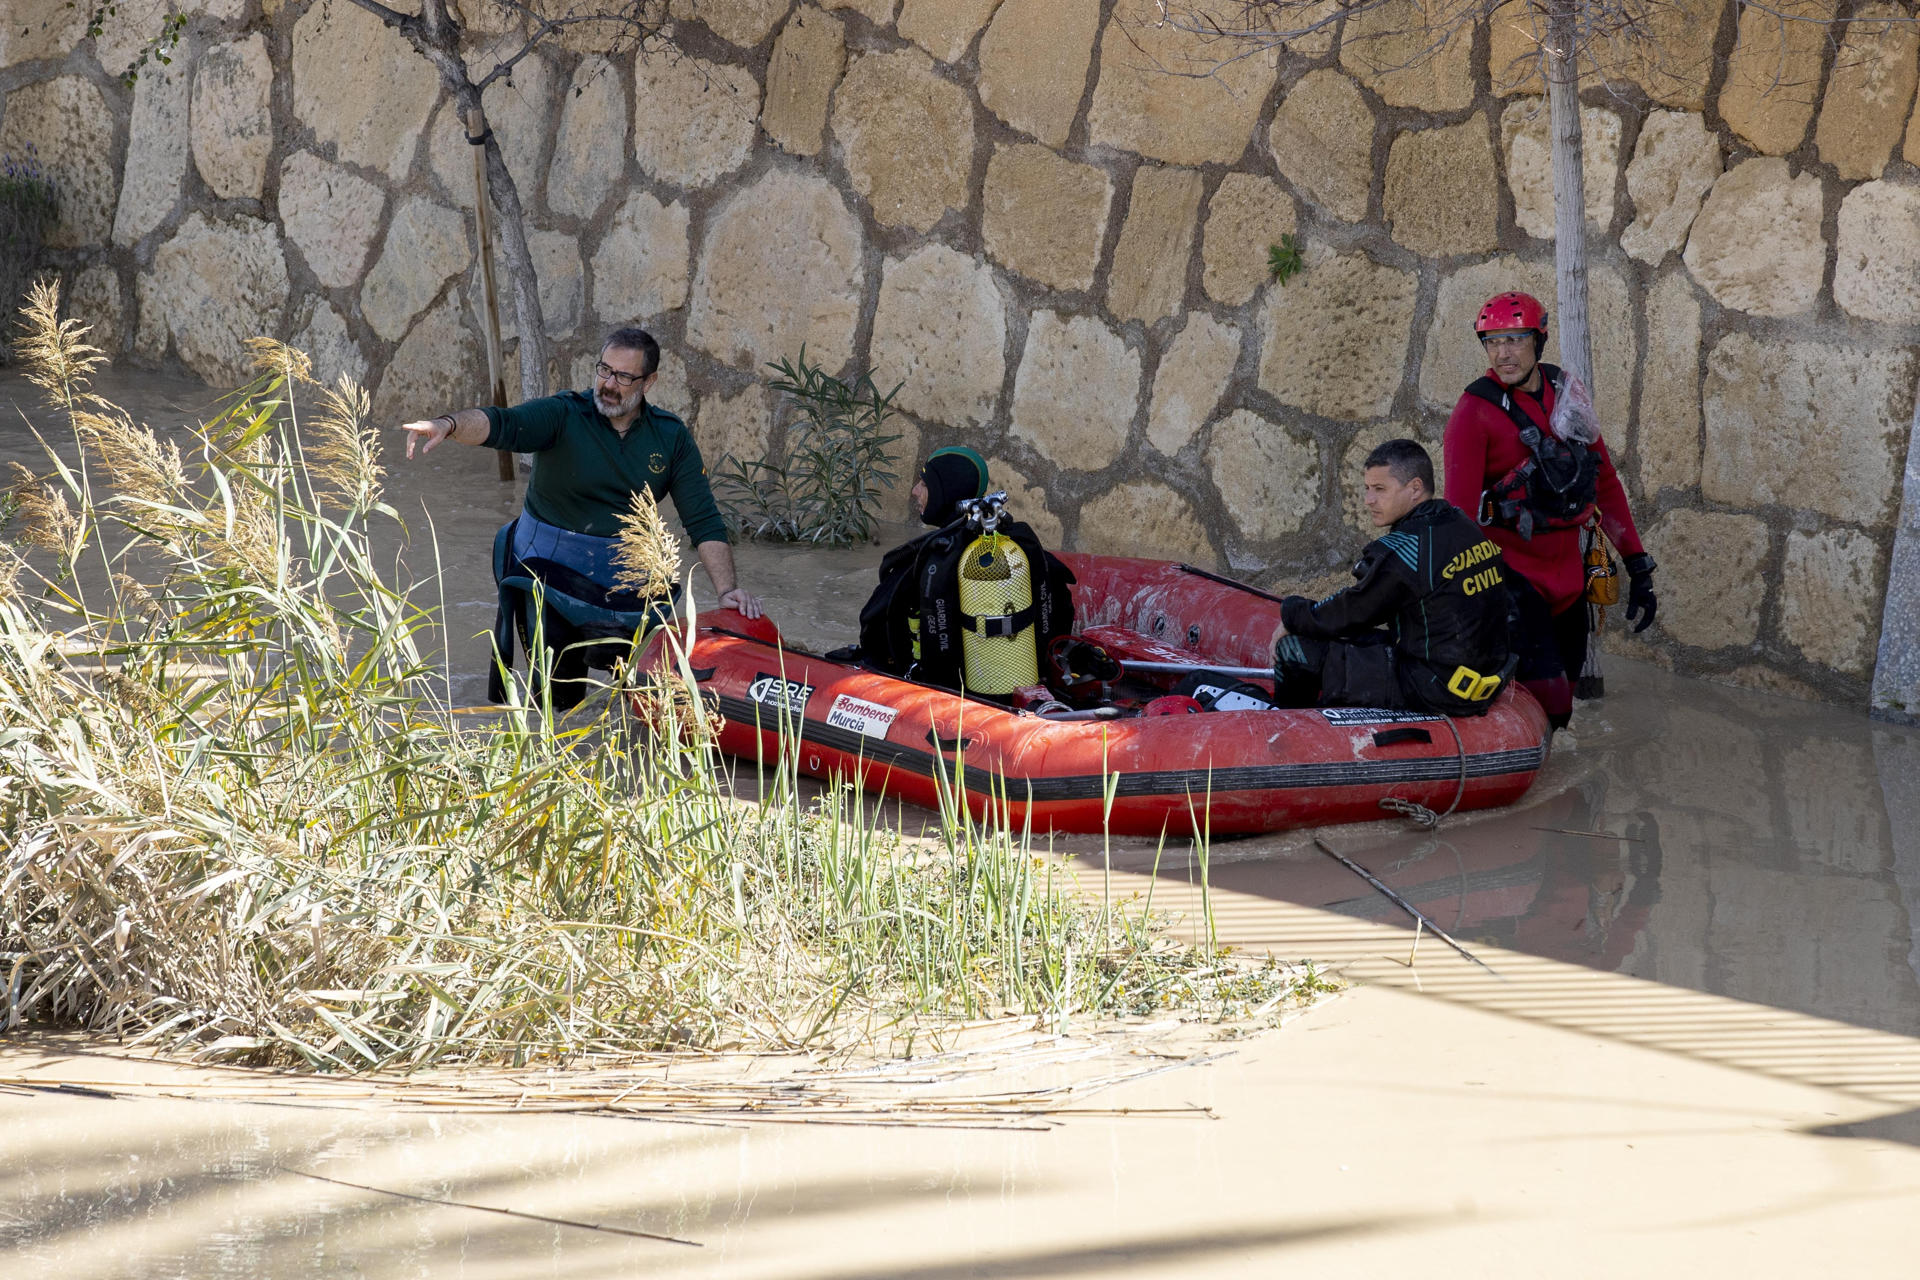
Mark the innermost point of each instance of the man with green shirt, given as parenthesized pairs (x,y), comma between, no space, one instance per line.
(591,454)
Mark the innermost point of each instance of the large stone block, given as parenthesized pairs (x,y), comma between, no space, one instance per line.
(1757,245)
(158,143)
(739,427)
(591,140)
(1830,594)
(1322,139)
(1675,164)
(781,266)
(361,88)
(322,334)
(1045,216)
(1075,393)
(218,284)
(945,28)
(563,286)
(1877,269)
(1203,113)
(1191,380)
(1773,78)
(1668,441)
(1149,274)
(1246,216)
(1673,59)
(331,214)
(941,330)
(1028,501)
(1807,426)
(640,269)
(1709,580)
(696,118)
(425,245)
(741,22)
(1144,519)
(806,63)
(438,365)
(907,137)
(67,122)
(232,117)
(1864,108)
(1395,50)
(1454,358)
(43,30)
(1442,193)
(1335,338)
(95,299)
(1033,64)
(1268,476)
(878,12)
(1527,138)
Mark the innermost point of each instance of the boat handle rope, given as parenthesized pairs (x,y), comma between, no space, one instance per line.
(1413,810)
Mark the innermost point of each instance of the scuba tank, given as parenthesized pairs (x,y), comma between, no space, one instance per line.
(997,641)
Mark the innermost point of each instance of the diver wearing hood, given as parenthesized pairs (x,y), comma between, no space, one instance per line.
(909,625)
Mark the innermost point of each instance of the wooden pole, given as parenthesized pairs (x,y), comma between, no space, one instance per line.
(476,119)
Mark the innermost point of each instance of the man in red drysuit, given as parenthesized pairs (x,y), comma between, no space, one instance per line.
(1533,491)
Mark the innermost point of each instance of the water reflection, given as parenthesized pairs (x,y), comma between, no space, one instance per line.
(1730,842)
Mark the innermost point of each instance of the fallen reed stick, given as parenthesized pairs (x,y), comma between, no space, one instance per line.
(487,1208)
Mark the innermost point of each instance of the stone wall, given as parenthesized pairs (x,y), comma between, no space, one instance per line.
(1060,247)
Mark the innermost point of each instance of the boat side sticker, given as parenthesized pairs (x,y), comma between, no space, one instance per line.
(868,719)
(1374,715)
(785,695)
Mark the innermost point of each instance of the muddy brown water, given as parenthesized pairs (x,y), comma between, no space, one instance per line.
(1731,842)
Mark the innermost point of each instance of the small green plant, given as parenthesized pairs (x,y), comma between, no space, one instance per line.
(173,25)
(1285,260)
(828,487)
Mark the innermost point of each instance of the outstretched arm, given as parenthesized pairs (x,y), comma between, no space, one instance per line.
(717,556)
(467,426)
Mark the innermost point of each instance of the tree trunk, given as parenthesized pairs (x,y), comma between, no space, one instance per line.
(435,36)
(1569,190)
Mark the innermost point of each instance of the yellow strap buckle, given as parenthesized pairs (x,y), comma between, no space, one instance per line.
(1471,685)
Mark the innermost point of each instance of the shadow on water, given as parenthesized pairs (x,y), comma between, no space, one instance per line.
(1724,841)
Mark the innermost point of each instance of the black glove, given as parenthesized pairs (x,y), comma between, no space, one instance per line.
(1641,602)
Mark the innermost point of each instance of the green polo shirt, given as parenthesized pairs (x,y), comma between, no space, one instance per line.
(584,472)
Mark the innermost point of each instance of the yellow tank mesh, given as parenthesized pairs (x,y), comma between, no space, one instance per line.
(994,581)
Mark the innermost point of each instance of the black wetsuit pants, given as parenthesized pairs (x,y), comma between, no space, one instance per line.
(1552,649)
(1338,673)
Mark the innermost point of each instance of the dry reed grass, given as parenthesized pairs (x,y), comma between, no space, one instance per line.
(240,820)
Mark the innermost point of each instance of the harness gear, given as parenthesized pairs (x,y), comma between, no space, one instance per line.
(534,561)
(1555,487)
(997,611)
(920,618)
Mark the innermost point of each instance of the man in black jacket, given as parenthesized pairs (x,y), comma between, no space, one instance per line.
(904,628)
(1425,624)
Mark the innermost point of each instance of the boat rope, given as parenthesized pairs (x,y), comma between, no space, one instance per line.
(1419,814)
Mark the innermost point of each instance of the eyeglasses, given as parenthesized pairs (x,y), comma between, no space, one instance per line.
(619,377)
(1499,341)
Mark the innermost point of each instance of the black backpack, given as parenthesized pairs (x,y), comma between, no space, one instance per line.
(920,582)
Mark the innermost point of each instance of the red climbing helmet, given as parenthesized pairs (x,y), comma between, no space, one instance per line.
(1511,311)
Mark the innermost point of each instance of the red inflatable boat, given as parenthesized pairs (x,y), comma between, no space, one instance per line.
(1222,771)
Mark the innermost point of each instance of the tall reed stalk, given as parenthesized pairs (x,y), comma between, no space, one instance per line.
(239,817)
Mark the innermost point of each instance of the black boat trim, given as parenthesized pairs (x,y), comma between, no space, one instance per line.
(1171,782)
